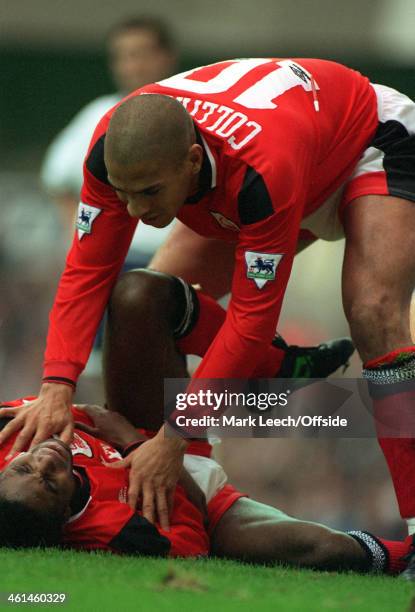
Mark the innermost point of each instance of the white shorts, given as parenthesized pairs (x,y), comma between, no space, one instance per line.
(207,473)
(387,166)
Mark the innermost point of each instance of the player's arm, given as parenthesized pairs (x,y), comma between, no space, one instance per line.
(110,426)
(100,245)
(270,213)
(113,427)
(102,238)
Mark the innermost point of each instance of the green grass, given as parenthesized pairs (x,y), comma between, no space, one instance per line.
(100,582)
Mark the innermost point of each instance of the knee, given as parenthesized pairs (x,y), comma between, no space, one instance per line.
(142,292)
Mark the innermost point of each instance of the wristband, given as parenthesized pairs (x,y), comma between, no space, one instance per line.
(130,447)
(59,381)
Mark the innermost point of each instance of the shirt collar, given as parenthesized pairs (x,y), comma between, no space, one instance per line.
(208,171)
(82,494)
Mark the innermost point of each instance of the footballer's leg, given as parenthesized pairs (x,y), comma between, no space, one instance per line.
(378,280)
(154,319)
(254,532)
(139,348)
(379,272)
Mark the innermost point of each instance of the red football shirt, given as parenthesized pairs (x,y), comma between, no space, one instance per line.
(279,137)
(104,520)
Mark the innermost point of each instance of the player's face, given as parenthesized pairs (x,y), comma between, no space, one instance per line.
(42,478)
(154,192)
(136,59)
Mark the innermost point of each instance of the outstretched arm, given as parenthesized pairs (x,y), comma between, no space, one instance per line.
(103,235)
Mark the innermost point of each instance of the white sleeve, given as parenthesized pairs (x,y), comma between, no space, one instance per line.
(61,171)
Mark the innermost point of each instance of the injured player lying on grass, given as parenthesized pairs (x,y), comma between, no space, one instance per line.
(55,495)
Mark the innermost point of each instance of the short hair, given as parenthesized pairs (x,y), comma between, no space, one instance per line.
(24,527)
(149,126)
(156,26)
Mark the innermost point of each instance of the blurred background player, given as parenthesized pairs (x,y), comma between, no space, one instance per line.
(140,50)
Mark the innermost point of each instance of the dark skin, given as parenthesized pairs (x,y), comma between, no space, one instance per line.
(43,477)
(249,531)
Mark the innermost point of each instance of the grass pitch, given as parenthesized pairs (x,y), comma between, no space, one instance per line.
(98,582)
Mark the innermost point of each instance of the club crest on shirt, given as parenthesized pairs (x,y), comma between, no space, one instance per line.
(80,446)
(261,267)
(224,221)
(109,453)
(86,216)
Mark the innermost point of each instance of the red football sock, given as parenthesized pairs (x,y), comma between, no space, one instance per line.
(400,457)
(383,556)
(394,411)
(210,320)
(397,551)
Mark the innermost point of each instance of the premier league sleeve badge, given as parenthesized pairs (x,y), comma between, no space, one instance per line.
(261,267)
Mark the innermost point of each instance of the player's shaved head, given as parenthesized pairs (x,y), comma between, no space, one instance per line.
(146,128)
(152,158)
